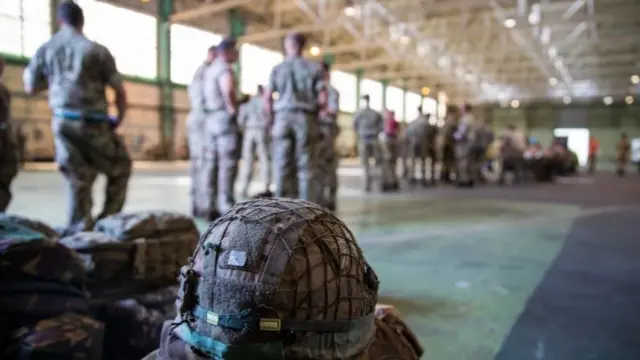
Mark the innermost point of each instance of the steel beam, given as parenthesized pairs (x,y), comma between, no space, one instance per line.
(207,9)
(257,37)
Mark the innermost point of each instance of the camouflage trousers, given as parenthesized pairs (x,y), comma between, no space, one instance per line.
(417,153)
(294,136)
(390,158)
(254,142)
(8,166)
(196,138)
(83,150)
(220,165)
(367,149)
(172,347)
(467,164)
(327,161)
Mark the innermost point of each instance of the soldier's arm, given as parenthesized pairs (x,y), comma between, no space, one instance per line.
(334,103)
(228,87)
(35,74)
(268,95)
(321,87)
(112,78)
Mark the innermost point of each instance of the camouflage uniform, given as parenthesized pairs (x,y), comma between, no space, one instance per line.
(416,138)
(237,302)
(255,141)
(465,138)
(391,147)
(327,175)
(447,149)
(76,71)
(221,142)
(8,149)
(294,134)
(368,124)
(196,138)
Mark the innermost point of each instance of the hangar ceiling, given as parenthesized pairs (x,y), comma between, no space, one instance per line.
(475,50)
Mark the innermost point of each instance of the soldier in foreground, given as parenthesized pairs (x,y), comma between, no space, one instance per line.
(255,141)
(8,146)
(221,130)
(237,304)
(76,71)
(368,125)
(465,138)
(196,136)
(301,93)
(327,173)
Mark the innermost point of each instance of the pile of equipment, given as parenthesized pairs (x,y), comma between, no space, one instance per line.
(91,295)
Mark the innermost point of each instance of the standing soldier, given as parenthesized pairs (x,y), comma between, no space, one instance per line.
(465,138)
(368,125)
(76,71)
(301,92)
(623,154)
(255,141)
(196,138)
(390,145)
(8,147)
(447,148)
(221,130)
(327,186)
(416,138)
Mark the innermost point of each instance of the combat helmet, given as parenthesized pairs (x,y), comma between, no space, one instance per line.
(277,279)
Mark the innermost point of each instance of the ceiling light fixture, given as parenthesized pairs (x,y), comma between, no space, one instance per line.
(553,81)
(515,103)
(629,100)
(566,99)
(350,11)
(426,91)
(635,79)
(314,51)
(510,23)
(608,100)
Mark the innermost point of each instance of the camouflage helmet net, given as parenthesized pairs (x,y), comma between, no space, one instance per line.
(278,271)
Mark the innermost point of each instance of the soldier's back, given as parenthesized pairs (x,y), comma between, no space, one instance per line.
(298,83)
(75,70)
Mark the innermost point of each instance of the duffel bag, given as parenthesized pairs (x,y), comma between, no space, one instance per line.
(134,325)
(68,336)
(394,339)
(106,259)
(163,241)
(33,224)
(146,224)
(39,278)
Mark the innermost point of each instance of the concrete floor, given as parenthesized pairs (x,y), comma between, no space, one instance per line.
(532,272)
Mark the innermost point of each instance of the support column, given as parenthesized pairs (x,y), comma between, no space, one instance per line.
(329,58)
(53,15)
(404,101)
(358,90)
(237,28)
(384,83)
(163,58)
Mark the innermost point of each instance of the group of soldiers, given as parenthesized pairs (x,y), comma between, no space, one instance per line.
(459,147)
(292,133)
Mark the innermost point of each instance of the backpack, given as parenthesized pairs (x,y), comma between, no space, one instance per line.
(161,242)
(39,278)
(32,224)
(133,325)
(67,336)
